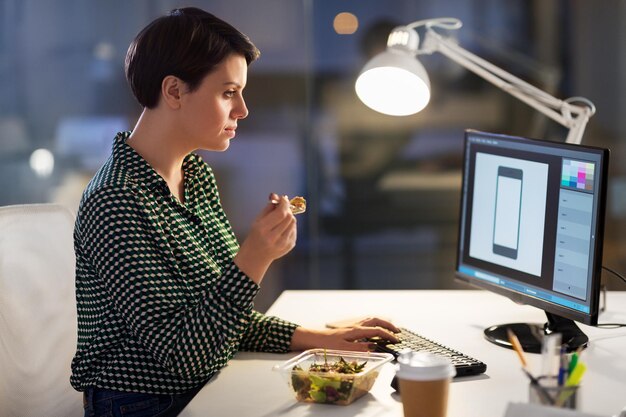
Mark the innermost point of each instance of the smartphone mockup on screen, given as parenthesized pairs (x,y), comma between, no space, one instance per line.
(507,211)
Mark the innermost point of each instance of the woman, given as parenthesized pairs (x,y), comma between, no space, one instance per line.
(164,292)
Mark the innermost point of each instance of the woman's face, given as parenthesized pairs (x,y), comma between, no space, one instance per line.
(211,112)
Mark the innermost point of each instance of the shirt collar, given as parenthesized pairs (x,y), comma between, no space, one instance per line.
(191,166)
(141,170)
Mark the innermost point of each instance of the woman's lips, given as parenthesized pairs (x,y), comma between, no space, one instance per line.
(230,131)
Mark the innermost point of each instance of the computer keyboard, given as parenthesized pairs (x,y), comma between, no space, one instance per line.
(465,365)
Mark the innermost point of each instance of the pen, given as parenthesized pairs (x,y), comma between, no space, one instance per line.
(563,367)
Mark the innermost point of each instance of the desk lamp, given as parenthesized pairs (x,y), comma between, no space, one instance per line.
(395,83)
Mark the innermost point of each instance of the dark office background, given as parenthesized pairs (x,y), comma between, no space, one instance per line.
(382,191)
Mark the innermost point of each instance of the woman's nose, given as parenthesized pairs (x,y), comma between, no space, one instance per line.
(241,110)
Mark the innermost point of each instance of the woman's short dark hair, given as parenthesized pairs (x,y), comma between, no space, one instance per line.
(187,43)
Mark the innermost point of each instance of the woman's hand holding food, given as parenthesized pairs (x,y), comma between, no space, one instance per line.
(272,235)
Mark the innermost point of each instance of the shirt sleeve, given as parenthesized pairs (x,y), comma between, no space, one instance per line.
(267,334)
(264,333)
(132,258)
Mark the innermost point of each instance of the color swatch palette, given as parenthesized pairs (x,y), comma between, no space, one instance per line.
(577,174)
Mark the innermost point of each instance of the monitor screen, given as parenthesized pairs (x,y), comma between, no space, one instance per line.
(531,228)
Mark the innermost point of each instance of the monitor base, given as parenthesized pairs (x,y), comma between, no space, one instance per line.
(531,335)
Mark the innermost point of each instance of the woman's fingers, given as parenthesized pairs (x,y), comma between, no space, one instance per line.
(377,322)
(275,203)
(359,333)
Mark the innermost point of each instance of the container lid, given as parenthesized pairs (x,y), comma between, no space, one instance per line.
(374,359)
(424,366)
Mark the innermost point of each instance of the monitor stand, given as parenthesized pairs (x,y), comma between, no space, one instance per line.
(531,335)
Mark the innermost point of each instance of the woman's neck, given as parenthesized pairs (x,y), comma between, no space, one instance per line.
(155,139)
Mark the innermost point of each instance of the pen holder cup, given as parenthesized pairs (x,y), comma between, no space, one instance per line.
(548,392)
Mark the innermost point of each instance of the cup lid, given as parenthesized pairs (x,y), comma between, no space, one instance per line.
(424,366)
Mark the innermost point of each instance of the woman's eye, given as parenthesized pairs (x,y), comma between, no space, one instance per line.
(230,93)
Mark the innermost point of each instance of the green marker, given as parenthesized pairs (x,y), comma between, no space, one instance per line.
(572,363)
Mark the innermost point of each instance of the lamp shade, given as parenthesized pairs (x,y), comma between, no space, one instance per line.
(394,82)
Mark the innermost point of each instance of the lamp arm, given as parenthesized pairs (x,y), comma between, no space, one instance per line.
(571,116)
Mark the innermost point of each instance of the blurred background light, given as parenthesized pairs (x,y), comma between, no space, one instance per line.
(345,23)
(42,162)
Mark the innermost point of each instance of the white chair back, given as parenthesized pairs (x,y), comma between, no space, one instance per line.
(37,312)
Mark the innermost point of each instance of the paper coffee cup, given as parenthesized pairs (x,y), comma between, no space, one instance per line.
(424,380)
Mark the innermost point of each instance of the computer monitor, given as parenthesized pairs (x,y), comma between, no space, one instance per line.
(531,228)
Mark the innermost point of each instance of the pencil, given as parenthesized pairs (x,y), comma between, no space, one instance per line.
(517,347)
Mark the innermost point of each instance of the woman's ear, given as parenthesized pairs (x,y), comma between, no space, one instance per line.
(171,91)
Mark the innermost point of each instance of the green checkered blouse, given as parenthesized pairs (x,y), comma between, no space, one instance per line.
(161,305)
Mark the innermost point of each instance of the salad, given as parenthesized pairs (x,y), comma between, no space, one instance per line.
(332,382)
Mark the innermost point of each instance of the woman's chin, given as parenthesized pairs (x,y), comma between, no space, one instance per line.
(221,147)
(225,146)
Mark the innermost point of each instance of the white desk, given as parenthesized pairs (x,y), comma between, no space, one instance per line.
(249,387)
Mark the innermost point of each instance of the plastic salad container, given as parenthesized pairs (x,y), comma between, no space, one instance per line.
(332,376)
